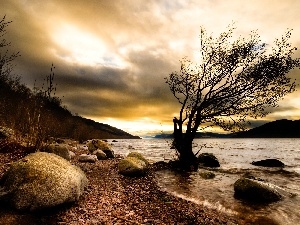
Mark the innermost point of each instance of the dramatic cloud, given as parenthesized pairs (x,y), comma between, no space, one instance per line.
(111,57)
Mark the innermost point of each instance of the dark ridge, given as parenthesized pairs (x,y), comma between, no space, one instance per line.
(277,129)
(109,131)
(22,109)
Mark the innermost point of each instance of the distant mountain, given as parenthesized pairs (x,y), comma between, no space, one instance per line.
(106,131)
(277,129)
(198,135)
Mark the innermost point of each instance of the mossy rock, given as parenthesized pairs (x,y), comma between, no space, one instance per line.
(132,166)
(138,156)
(91,147)
(41,180)
(102,145)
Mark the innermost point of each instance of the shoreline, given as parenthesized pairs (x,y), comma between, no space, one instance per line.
(111,198)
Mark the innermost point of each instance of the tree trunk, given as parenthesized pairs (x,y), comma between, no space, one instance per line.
(183,144)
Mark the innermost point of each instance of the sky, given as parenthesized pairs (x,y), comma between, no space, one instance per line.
(111,57)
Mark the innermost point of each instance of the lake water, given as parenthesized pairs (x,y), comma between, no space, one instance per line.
(235,156)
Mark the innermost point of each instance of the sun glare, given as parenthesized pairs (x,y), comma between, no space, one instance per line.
(140,127)
(78,46)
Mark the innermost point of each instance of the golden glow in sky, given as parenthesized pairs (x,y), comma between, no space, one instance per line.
(111,57)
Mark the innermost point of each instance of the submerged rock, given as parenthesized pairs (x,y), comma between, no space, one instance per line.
(208,160)
(207,175)
(256,191)
(41,180)
(268,163)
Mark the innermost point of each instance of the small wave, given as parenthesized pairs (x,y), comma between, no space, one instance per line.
(217,206)
(155,147)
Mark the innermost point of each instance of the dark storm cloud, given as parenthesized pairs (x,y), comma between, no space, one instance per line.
(111,57)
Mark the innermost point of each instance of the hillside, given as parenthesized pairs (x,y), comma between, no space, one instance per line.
(277,129)
(36,115)
(106,131)
(198,135)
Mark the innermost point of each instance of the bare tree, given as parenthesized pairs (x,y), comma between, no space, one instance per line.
(233,81)
(5,57)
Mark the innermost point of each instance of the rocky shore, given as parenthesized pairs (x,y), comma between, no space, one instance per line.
(112,198)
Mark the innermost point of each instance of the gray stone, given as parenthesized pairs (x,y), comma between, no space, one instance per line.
(42,180)
(72,154)
(100,154)
(61,150)
(87,158)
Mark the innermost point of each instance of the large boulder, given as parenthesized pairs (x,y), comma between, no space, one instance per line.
(132,166)
(208,160)
(41,180)
(268,163)
(59,149)
(256,191)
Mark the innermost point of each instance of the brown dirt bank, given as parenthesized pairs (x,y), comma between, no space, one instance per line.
(111,198)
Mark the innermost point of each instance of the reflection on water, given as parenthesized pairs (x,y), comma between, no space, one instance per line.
(235,156)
